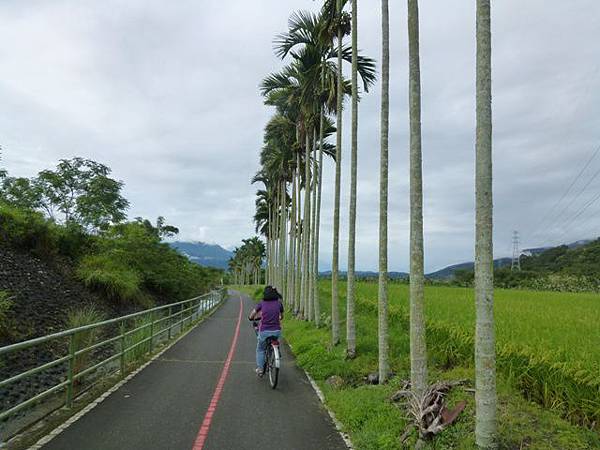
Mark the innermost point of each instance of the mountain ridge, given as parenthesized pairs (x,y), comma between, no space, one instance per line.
(203,254)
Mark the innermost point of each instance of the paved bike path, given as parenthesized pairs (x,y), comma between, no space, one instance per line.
(163,407)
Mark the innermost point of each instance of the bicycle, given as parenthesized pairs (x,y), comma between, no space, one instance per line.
(272,357)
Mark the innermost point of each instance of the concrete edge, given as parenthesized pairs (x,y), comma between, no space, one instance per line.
(46,439)
(338,425)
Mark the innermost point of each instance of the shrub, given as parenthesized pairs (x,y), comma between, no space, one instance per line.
(131,248)
(27,230)
(108,274)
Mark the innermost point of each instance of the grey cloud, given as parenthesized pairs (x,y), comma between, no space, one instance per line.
(168,98)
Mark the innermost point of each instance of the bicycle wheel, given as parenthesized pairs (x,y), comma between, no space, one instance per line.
(272,367)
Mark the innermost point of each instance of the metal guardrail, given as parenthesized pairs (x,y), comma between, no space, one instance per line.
(178,317)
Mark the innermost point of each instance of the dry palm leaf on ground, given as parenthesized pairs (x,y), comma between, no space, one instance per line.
(429,413)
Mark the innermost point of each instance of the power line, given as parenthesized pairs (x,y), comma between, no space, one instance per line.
(551,210)
(560,222)
(581,211)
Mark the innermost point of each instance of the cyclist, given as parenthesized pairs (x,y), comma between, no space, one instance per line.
(270,313)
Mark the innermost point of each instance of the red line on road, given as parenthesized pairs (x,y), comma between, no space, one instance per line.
(212,407)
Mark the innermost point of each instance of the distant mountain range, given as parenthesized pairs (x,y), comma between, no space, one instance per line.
(362,274)
(448,272)
(210,255)
(213,255)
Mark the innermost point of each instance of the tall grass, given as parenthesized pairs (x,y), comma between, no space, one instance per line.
(138,353)
(85,315)
(548,343)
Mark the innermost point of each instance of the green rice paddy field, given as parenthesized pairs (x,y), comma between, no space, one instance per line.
(548,343)
(553,325)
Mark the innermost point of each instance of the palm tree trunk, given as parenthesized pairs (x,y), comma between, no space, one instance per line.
(383,194)
(319,170)
(292,253)
(485,347)
(300,236)
(314,249)
(313,214)
(271,262)
(418,349)
(282,235)
(350,292)
(306,228)
(275,239)
(335,319)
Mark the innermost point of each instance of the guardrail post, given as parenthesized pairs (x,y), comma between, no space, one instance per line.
(71,374)
(152,331)
(170,321)
(181,318)
(122,349)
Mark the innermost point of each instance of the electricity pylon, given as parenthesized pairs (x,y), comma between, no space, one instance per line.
(516,257)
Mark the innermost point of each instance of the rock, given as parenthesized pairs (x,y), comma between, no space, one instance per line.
(373,378)
(335,381)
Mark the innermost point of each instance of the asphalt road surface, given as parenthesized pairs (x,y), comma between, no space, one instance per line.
(191,399)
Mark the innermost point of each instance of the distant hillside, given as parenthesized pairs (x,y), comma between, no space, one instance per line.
(448,272)
(365,274)
(581,258)
(540,258)
(204,254)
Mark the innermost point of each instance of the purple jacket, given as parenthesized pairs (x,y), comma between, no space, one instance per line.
(270,310)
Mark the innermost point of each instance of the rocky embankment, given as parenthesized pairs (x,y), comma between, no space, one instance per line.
(42,293)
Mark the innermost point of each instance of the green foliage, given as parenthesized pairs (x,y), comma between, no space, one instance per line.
(464,277)
(78,190)
(21,192)
(129,259)
(80,317)
(560,269)
(245,264)
(27,230)
(81,191)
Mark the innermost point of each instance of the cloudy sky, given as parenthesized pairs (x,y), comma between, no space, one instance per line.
(167,96)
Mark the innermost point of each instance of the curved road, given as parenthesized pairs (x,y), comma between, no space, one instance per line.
(167,406)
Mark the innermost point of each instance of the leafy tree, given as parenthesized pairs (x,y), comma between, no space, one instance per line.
(161,230)
(247,260)
(464,277)
(81,191)
(21,192)
(307,91)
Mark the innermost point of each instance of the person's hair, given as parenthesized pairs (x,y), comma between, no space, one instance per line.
(270,293)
